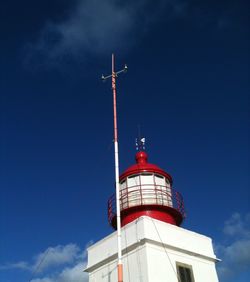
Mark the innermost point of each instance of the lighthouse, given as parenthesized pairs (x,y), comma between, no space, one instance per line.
(155,248)
(148,243)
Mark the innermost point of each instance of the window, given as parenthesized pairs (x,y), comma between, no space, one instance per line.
(122,181)
(133,175)
(146,173)
(184,272)
(159,176)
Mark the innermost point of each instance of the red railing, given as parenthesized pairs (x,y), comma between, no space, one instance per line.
(146,194)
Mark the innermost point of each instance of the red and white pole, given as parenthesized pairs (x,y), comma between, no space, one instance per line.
(117,184)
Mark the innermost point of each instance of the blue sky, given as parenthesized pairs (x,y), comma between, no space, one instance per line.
(187,87)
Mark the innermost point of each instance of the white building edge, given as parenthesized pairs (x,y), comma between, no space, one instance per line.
(154,251)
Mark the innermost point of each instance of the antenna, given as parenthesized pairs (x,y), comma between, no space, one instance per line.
(140,141)
(113,76)
(140,144)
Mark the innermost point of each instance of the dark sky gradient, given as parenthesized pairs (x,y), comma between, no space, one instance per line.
(187,86)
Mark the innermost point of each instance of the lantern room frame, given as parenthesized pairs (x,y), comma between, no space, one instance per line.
(148,198)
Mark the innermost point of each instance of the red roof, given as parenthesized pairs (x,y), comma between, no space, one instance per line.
(142,165)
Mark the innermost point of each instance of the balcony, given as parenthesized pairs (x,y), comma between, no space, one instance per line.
(146,195)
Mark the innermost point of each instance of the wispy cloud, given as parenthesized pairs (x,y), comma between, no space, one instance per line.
(17,265)
(55,264)
(235,254)
(96,26)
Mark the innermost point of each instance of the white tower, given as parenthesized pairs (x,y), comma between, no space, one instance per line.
(154,246)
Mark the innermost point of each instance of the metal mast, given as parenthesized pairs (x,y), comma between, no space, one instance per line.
(117,184)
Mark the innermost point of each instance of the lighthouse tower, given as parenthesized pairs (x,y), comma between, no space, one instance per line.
(154,246)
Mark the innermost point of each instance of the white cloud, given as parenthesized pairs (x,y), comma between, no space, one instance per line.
(235,255)
(237,225)
(42,280)
(97,26)
(68,274)
(55,256)
(56,264)
(238,253)
(51,257)
(73,274)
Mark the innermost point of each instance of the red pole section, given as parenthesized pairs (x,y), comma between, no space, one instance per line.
(114,98)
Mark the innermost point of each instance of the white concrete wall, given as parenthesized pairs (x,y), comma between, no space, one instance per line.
(164,269)
(178,237)
(151,249)
(134,269)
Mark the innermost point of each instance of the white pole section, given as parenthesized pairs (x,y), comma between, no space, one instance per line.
(117,184)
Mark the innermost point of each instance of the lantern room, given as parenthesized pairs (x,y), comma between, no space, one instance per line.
(146,190)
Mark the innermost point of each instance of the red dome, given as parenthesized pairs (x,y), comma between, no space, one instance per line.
(142,165)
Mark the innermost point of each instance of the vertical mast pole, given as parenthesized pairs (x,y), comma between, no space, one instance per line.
(117,185)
